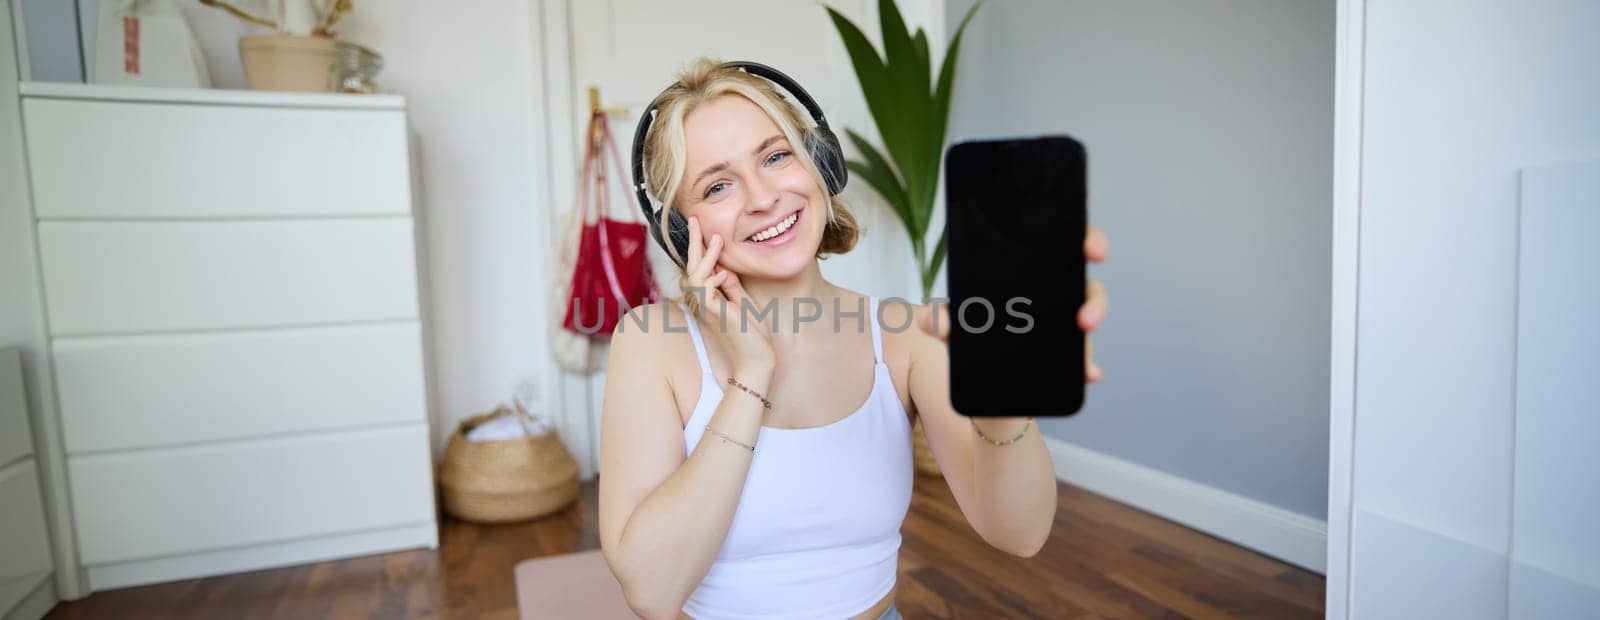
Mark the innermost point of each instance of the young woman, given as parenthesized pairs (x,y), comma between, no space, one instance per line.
(762,468)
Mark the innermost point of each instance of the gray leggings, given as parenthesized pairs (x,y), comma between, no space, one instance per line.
(891,613)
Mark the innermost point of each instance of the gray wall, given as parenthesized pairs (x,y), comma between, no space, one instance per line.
(1209,127)
(52,34)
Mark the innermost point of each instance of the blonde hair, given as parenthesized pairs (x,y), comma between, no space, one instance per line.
(665,148)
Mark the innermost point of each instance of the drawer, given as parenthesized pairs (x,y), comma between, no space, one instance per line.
(139,160)
(150,503)
(115,277)
(16,438)
(120,392)
(24,541)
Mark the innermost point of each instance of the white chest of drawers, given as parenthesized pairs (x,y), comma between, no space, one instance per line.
(230,282)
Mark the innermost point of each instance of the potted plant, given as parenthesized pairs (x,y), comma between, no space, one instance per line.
(300,51)
(912,113)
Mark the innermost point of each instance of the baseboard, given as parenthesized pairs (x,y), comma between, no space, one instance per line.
(1288,536)
(37,603)
(258,557)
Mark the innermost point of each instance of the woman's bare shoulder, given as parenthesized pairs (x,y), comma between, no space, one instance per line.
(666,321)
(655,323)
(657,334)
(903,335)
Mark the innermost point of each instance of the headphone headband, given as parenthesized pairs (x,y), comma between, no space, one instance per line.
(826,153)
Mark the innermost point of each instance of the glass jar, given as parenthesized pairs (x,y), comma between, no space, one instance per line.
(354,69)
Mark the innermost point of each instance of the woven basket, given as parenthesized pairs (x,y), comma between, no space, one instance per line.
(507,479)
(921,455)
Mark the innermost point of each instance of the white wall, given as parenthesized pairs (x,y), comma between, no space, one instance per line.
(1209,130)
(467,71)
(1462,101)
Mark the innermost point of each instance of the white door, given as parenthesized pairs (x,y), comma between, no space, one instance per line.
(1466,411)
(630,50)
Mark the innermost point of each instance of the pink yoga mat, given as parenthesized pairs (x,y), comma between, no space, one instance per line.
(571,585)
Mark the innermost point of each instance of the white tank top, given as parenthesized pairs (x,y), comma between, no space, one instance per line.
(817,530)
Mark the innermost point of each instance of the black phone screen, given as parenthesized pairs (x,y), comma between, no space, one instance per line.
(1015,224)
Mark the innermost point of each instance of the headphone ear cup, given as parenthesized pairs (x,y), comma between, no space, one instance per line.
(679,232)
(829,157)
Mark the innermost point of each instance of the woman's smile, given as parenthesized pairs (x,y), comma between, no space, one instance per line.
(777,234)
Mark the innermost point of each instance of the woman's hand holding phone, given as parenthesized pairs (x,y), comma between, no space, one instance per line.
(1095,248)
(749,343)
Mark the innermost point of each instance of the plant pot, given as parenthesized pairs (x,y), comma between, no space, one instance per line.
(286,62)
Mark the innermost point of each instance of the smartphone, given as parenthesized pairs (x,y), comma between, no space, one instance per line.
(1016,216)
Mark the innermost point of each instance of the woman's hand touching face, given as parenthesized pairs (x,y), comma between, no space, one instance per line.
(1096,248)
(722,300)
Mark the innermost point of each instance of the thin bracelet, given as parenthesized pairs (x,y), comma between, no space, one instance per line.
(764,402)
(727,438)
(1012,440)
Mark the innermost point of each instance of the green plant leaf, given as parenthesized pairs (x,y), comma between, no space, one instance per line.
(900,55)
(947,76)
(912,121)
(873,77)
(940,116)
(909,85)
(876,171)
(885,187)
(921,42)
(923,68)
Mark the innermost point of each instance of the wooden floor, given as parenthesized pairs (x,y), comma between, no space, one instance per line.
(1103,560)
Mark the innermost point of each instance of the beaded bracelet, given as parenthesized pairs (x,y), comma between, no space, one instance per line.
(764,402)
(730,439)
(1010,441)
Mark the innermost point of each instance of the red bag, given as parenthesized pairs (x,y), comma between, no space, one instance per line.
(612,271)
